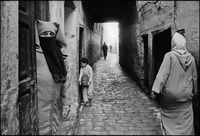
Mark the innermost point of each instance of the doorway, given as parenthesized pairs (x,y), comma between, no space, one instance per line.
(80,42)
(146,65)
(80,56)
(161,45)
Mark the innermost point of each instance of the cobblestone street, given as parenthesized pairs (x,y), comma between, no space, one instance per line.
(119,106)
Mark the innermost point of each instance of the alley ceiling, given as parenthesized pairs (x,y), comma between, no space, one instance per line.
(108,10)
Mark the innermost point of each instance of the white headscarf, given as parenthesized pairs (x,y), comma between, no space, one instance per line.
(178,43)
(42,26)
(179,48)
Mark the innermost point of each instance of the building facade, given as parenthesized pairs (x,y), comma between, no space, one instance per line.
(148,38)
(18,64)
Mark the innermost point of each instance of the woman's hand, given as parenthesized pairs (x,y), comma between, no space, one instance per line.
(89,83)
(152,95)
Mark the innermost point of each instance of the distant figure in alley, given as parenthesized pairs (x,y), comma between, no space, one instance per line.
(105,49)
(176,81)
(110,48)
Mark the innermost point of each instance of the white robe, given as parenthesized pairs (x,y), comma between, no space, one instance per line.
(176,81)
(87,71)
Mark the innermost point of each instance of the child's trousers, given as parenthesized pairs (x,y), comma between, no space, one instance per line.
(86,94)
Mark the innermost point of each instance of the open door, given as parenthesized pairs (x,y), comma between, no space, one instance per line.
(27,100)
(29,11)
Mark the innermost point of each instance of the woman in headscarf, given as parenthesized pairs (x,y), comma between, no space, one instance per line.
(176,81)
(51,75)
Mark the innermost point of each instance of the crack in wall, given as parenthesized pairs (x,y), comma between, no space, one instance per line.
(147,4)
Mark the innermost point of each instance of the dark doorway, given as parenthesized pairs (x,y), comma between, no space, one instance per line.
(80,56)
(161,45)
(146,65)
(80,42)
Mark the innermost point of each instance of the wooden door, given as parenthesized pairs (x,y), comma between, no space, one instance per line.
(27,100)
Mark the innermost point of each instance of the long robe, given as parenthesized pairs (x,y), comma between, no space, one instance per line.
(49,100)
(177,84)
(50,77)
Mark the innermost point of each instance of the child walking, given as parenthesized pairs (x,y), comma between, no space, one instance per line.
(86,81)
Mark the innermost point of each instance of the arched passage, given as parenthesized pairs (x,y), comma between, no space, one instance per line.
(123,12)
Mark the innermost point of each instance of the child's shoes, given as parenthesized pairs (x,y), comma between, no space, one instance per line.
(83,103)
(88,103)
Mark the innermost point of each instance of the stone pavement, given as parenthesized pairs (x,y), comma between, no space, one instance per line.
(119,106)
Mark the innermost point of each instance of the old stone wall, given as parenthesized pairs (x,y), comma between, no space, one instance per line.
(72,20)
(93,46)
(187,17)
(9,67)
(129,56)
(155,17)
(62,15)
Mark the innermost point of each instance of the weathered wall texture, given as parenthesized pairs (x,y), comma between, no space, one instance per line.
(9,67)
(93,46)
(129,57)
(155,17)
(57,12)
(188,18)
(66,17)
(72,20)
(129,52)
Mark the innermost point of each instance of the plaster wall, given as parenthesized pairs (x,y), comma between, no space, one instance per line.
(157,16)
(9,68)
(71,20)
(188,18)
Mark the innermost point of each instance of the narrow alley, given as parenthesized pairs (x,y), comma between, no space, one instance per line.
(119,106)
(43,44)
